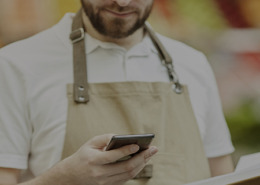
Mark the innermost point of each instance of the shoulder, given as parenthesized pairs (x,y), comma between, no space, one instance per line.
(180,49)
(39,48)
(49,39)
(186,59)
(27,47)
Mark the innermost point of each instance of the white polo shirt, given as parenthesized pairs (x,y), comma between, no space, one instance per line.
(33,104)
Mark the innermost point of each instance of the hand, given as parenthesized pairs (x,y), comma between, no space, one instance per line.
(91,165)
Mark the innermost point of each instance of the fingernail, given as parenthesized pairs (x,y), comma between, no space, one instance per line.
(134,148)
(153,150)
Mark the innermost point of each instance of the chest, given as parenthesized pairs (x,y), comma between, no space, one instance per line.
(48,98)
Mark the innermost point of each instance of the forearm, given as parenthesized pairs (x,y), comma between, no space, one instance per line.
(221,165)
(9,176)
(92,165)
(58,175)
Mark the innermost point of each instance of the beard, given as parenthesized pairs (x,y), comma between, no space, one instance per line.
(116,28)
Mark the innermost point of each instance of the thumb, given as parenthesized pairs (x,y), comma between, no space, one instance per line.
(101,141)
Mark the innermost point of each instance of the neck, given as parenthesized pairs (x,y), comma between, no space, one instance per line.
(127,42)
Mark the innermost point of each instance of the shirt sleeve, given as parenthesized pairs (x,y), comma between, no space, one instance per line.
(217,139)
(15,130)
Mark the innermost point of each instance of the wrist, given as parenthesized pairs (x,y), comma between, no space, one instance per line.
(60,174)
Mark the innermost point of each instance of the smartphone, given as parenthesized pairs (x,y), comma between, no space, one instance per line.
(142,140)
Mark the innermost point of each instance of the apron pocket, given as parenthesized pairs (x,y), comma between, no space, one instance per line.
(167,169)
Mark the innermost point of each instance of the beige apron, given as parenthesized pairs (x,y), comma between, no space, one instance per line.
(135,108)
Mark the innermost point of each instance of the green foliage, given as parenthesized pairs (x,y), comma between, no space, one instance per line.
(244,125)
(203,12)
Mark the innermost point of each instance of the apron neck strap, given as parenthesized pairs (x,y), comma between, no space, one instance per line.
(77,36)
(166,59)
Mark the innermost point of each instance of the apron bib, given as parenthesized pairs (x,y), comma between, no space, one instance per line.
(136,108)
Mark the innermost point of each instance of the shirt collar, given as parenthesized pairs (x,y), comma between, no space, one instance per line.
(92,44)
(144,48)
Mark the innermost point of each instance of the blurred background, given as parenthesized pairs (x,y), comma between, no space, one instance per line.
(227,31)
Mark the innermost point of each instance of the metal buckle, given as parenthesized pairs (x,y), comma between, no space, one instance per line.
(77,35)
(177,87)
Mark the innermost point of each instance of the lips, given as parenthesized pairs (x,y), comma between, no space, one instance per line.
(121,13)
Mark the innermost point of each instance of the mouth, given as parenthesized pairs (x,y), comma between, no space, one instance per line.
(120,14)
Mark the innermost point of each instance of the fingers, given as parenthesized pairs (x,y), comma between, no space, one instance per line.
(123,177)
(112,156)
(150,152)
(133,165)
(126,170)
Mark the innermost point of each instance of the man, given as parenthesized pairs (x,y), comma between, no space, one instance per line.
(124,83)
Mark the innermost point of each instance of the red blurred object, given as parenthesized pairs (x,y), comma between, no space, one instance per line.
(233,14)
(164,8)
(251,58)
